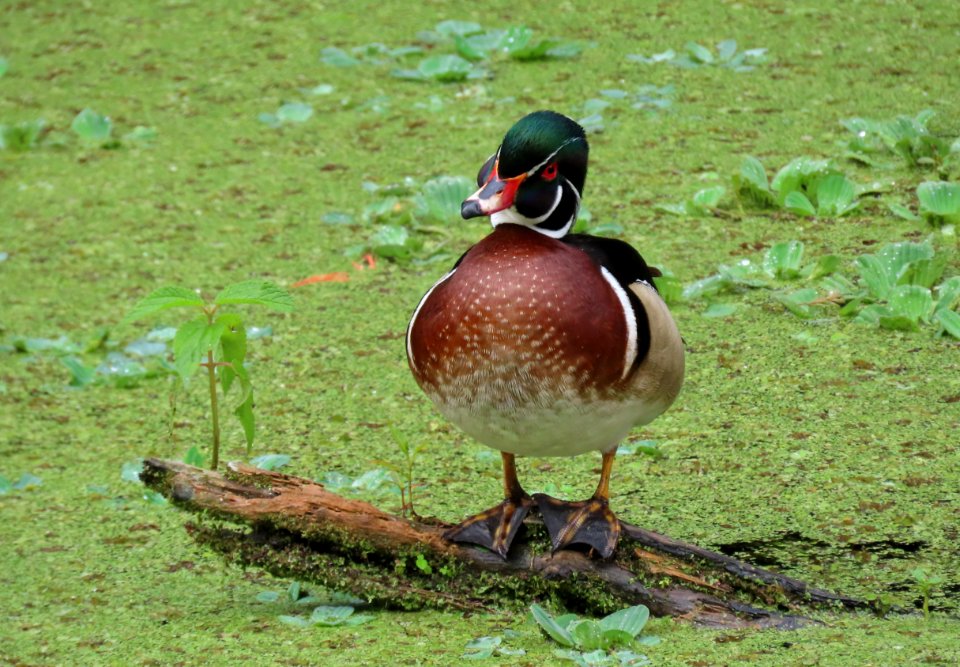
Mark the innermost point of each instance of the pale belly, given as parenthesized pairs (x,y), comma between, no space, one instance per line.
(549,426)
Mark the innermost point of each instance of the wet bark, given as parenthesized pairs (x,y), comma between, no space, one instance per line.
(294,527)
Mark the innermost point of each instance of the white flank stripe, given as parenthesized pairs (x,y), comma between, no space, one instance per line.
(413,319)
(631,318)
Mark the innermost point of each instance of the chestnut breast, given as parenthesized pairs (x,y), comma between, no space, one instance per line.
(521,311)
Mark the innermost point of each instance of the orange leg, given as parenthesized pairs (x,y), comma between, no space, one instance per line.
(497,527)
(587,522)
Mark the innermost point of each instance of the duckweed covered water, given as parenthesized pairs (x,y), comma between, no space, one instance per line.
(823,449)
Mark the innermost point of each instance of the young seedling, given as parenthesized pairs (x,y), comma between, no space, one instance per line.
(219,338)
(403,474)
(926,584)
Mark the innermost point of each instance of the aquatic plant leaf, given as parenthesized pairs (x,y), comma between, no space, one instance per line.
(902,211)
(267,596)
(130,471)
(707,199)
(876,275)
(91,126)
(948,294)
(630,620)
(898,257)
(798,302)
(699,53)
(140,135)
(912,302)
(296,621)
(330,616)
(193,340)
(440,198)
(163,299)
(337,57)
(925,272)
(551,627)
(798,203)
(719,310)
(783,260)
(21,136)
(4,66)
(824,266)
(950,321)
(836,196)
(454,28)
(294,112)
(939,202)
(259,292)
(586,634)
(271,461)
(80,374)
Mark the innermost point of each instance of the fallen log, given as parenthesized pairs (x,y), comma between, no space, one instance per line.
(294,527)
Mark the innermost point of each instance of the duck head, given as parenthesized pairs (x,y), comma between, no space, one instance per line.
(536,176)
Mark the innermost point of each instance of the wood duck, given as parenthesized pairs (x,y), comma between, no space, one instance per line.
(540,342)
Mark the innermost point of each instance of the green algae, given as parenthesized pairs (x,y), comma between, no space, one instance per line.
(825,451)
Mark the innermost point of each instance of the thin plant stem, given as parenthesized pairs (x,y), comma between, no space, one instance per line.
(214,409)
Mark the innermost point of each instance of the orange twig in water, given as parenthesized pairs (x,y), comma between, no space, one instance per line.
(336,277)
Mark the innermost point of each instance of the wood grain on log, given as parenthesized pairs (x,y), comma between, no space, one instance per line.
(296,528)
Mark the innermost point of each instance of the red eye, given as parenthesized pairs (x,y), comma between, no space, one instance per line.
(550,172)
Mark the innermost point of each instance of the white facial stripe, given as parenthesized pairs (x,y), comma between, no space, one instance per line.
(552,155)
(413,319)
(631,318)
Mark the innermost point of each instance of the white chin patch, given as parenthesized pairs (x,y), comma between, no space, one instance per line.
(512,216)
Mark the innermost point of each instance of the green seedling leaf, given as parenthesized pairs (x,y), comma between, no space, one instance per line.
(163,299)
(939,202)
(796,202)
(551,626)
(259,292)
(950,321)
(91,126)
(423,565)
(233,346)
(193,340)
(130,472)
(630,620)
(194,457)
(783,260)
(271,461)
(244,411)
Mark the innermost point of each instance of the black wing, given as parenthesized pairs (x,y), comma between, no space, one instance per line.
(627,267)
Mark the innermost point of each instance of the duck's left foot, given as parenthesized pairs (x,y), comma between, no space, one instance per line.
(587,522)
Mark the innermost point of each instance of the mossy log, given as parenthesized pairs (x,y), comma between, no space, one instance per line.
(294,527)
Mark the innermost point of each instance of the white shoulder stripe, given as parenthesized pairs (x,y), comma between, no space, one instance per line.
(631,319)
(413,319)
